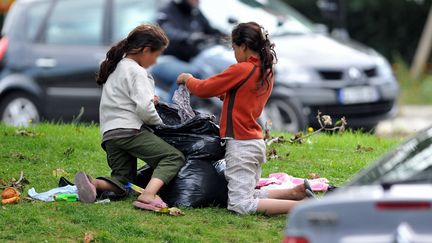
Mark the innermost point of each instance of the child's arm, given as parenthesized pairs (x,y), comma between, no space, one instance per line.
(216,85)
(142,93)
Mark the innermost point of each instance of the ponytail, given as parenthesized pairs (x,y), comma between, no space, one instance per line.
(268,58)
(113,57)
(256,38)
(142,36)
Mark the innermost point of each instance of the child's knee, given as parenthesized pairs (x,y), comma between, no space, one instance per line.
(243,207)
(178,157)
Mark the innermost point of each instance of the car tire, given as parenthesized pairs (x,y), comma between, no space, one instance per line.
(285,114)
(19,109)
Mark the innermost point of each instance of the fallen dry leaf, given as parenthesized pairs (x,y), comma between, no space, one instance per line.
(68,151)
(88,237)
(272,154)
(171,211)
(314,176)
(175,211)
(3,182)
(361,149)
(59,172)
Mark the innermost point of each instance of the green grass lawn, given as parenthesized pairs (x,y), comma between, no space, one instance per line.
(47,151)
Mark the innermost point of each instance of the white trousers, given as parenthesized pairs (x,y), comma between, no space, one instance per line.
(243,170)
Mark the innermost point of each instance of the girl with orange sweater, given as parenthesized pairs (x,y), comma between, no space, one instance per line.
(245,88)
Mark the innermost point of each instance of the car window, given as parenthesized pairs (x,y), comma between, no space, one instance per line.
(75,22)
(411,162)
(130,13)
(276,19)
(26,16)
(35,16)
(289,17)
(30,13)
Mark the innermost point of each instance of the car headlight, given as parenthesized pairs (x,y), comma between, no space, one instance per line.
(290,73)
(383,67)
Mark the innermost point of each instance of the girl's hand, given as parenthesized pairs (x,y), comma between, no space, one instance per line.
(183,77)
(156,100)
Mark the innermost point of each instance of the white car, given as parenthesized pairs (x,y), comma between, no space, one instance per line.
(390,201)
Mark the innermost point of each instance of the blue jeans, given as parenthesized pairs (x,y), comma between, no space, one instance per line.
(168,68)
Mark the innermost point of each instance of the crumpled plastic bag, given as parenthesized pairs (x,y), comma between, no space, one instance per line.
(181,97)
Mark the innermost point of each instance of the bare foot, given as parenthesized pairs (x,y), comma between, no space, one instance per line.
(152,199)
(146,198)
(298,192)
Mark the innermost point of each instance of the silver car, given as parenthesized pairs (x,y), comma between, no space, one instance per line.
(337,78)
(390,201)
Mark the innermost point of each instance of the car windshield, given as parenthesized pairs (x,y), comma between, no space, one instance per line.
(277,17)
(409,163)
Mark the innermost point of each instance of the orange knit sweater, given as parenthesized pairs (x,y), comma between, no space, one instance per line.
(242,105)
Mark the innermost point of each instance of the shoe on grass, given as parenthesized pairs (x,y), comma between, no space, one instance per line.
(86,189)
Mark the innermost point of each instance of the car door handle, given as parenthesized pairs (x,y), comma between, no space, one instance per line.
(46,62)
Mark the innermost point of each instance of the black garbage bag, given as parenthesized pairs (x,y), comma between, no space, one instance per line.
(195,146)
(199,183)
(197,138)
(200,124)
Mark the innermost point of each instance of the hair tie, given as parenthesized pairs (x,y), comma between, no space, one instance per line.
(264,33)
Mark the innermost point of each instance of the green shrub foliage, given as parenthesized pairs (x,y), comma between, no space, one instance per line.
(392,27)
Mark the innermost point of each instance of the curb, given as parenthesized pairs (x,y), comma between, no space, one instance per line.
(410,120)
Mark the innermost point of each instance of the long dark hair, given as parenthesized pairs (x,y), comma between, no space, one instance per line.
(142,36)
(256,38)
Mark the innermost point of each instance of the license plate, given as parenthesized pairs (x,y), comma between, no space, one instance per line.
(358,94)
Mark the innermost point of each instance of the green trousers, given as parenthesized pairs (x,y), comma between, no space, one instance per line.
(122,154)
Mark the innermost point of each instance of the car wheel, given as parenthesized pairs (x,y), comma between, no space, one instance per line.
(285,115)
(19,109)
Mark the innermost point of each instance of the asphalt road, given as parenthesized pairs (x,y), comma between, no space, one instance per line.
(409,120)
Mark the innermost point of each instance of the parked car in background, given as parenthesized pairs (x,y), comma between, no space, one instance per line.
(333,77)
(50,51)
(390,201)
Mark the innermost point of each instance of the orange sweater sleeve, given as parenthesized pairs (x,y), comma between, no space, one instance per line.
(219,84)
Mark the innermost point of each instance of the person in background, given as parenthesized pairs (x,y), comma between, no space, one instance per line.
(245,88)
(127,105)
(187,29)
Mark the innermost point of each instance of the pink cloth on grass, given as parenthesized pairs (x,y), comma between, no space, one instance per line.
(283,180)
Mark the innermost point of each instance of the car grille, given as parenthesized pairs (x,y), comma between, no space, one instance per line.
(354,111)
(371,72)
(330,75)
(338,75)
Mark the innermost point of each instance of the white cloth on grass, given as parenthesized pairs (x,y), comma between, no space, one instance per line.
(49,195)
